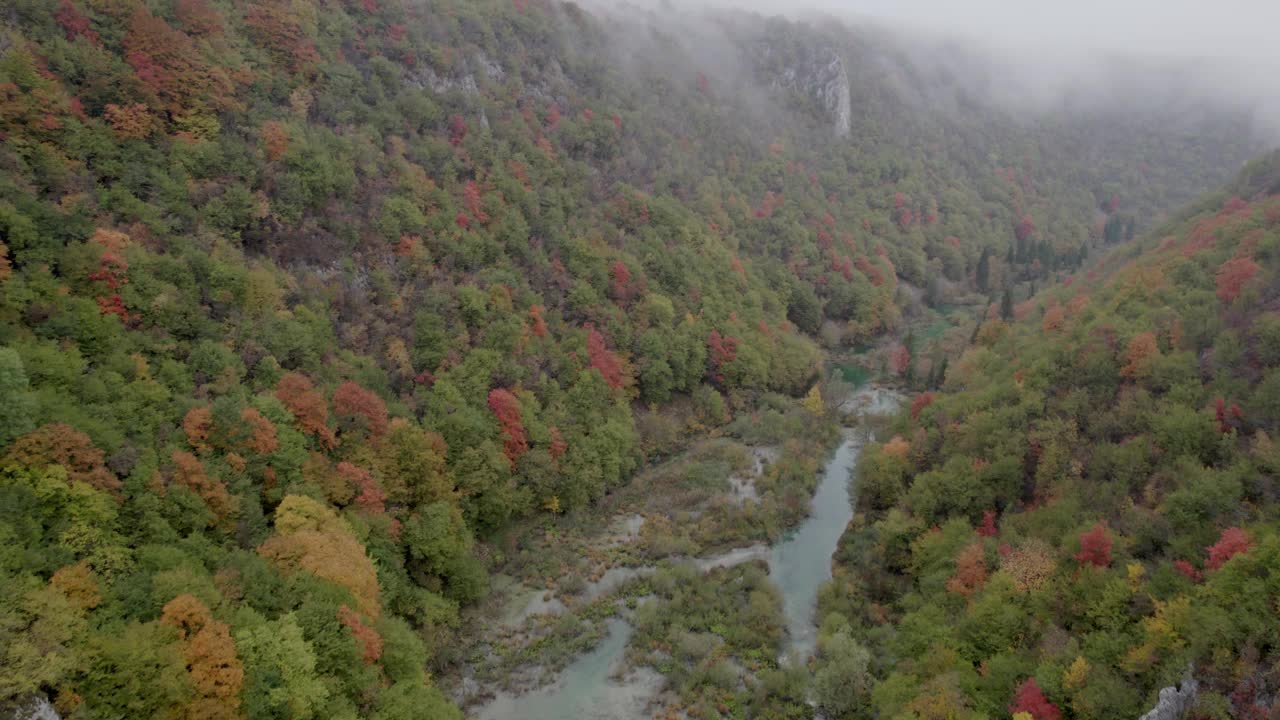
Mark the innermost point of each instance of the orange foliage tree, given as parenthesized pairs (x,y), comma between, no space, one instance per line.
(189,472)
(61,444)
(133,121)
(197,424)
(259,432)
(170,65)
(971,570)
(275,139)
(1054,318)
(216,674)
(537,322)
(1138,356)
(308,406)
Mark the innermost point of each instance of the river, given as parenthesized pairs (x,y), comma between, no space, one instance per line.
(590,689)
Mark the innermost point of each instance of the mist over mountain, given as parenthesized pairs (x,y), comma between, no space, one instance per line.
(1157,59)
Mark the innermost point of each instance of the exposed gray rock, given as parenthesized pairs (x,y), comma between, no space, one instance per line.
(821,75)
(1175,701)
(463,80)
(37,708)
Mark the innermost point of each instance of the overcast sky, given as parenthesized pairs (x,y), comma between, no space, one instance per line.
(1228,29)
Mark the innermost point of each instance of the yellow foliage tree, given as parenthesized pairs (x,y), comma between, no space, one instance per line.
(310,536)
(1074,677)
(813,401)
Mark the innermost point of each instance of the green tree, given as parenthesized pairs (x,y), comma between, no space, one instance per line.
(280,671)
(18,408)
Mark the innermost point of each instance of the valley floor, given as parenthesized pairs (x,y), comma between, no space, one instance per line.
(692,586)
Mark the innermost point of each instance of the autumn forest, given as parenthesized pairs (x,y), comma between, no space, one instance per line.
(378,358)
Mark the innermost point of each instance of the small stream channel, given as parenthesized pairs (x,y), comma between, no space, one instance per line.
(589,689)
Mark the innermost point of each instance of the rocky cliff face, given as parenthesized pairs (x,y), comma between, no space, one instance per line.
(820,74)
(1175,701)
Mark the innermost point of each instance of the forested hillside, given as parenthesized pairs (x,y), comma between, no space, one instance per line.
(1088,511)
(302,301)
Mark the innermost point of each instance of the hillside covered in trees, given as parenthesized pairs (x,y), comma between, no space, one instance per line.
(303,303)
(1087,512)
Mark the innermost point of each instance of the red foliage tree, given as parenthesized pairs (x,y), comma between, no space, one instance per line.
(308,406)
(1232,542)
(558,445)
(370,497)
(457,130)
(112,272)
(1187,569)
(352,402)
(988,526)
(1232,276)
(506,408)
(1095,547)
(621,281)
(870,271)
(1228,418)
(369,640)
(901,359)
(603,359)
(74,23)
(1026,228)
(1030,699)
(473,200)
(724,349)
(922,401)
